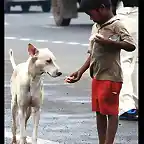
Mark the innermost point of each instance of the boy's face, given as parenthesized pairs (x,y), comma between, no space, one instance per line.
(97,15)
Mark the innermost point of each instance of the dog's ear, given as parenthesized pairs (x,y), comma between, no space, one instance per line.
(32,50)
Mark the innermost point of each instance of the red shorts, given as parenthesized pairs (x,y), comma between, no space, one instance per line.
(105,96)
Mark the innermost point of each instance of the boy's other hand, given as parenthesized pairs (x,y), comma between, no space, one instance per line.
(101,40)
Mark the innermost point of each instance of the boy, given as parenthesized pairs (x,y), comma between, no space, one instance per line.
(108,37)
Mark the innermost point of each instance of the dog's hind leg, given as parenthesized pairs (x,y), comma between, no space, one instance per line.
(28,113)
(36,118)
(22,117)
(14,127)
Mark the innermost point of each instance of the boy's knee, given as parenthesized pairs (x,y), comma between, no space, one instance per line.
(112,116)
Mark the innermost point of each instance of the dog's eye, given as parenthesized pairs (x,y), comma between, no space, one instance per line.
(48,61)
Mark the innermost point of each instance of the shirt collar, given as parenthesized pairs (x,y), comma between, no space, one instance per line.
(109,21)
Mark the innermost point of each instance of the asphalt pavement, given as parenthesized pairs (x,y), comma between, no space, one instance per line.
(66,115)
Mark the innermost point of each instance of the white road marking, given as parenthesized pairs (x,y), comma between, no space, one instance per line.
(41,40)
(14,15)
(44,41)
(7,84)
(85,44)
(11,38)
(79,101)
(53,27)
(25,39)
(40,141)
(58,42)
(73,43)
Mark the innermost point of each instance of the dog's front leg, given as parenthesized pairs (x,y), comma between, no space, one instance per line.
(36,118)
(22,115)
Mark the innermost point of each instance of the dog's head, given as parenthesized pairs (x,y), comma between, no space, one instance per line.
(42,61)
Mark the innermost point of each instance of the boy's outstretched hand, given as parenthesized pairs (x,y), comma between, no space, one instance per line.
(74,77)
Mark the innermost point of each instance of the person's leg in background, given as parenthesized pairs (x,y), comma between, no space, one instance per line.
(128,100)
(127,103)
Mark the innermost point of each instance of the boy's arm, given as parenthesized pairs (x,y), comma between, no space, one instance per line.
(85,66)
(126,40)
(87,63)
(122,45)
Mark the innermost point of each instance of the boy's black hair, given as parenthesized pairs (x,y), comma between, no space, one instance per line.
(86,5)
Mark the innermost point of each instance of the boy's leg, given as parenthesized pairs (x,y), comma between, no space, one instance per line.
(112,128)
(101,127)
(101,120)
(109,105)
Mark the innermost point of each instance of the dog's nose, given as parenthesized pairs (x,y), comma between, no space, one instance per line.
(59,73)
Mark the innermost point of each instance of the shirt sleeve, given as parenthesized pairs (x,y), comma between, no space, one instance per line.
(90,41)
(90,47)
(124,34)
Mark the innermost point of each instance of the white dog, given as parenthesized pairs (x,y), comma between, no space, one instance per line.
(26,89)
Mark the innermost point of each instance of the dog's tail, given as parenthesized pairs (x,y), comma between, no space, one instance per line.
(12,58)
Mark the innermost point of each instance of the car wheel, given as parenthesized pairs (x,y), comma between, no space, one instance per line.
(7,8)
(58,12)
(46,6)
(25,7)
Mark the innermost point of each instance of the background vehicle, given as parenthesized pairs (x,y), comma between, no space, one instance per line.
(64,10)
(25,4)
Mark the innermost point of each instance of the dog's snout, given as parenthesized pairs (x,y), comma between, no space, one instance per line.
(59,73)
